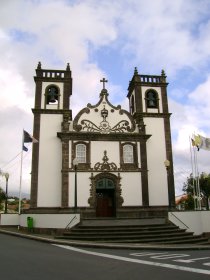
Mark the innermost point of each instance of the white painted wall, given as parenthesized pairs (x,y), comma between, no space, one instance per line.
(41,220)
(51,220)
(83,188)
(113,118)
(130,185)
(98,148)
(196,221)
(131,189)
(50,162)
(156,155)
(9,219)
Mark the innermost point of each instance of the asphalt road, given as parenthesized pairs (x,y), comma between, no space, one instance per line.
(22,259)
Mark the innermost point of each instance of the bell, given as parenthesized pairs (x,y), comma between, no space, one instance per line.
(52,99)
(52,95)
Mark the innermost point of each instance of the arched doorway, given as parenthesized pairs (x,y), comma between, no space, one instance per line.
(105,198)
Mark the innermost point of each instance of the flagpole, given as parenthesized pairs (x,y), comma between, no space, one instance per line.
(198,182)
(192,166)
(21,168)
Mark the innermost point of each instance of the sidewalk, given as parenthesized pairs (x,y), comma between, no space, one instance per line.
(50,239)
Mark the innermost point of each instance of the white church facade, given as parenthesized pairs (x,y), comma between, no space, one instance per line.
(106,161)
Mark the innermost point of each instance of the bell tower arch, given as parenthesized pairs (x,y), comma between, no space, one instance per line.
(53,89)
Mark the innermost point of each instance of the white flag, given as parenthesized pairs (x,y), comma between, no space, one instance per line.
(204,143)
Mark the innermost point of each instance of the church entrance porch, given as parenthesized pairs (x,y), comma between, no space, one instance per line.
(105,198)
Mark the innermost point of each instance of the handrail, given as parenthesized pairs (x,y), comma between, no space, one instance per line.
(178,219)
(70,222)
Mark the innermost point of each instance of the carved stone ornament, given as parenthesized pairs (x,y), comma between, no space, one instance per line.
(105,165)
(114,119)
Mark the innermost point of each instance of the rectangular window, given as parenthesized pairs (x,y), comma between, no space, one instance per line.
(128,154)
(81,153)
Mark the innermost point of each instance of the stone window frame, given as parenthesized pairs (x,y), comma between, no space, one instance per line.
(156,99)
(46,94)
(86,165)
(129,166)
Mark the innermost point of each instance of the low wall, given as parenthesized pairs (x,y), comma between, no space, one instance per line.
(194,221)
(9,219)
(52,221)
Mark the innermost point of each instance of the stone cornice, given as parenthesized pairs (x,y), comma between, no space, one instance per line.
(86,136)
(52,111)
(152,115)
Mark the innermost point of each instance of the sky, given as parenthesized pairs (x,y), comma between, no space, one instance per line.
(105,38)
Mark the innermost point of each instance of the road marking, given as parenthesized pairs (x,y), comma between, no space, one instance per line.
(160,256)
(146,254)
(191,260)
(172,266)
(208,264)
(169,256)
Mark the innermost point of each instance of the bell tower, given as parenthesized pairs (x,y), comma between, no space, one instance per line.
(148,103)
(52,106)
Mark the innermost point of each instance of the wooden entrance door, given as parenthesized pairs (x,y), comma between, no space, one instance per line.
(105,198)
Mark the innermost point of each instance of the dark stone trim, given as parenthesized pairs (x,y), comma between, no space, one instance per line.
(87,136)
(35,162)
(169,155)
(117,179)
(53,111)
(151,115)
(129,166)
(46,95)
(38,94)
(65,175)
(77,127)
(157,100)
(88,212)
(168,143)
(81,166)
(144,174)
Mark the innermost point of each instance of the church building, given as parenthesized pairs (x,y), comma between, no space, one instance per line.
(106,161)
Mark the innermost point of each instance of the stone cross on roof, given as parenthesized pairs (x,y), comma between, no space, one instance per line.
(103,81)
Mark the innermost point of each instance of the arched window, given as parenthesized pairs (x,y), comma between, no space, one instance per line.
(128,153)
(52,95)
(151,99)
(81,153)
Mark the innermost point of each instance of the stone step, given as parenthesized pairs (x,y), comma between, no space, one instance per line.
(123,222)
(154,231)
(124,228)
(127,236)
(104,232)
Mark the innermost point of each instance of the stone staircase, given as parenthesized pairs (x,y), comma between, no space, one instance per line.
(148,230)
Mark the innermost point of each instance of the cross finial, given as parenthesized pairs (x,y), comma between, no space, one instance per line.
(103,81)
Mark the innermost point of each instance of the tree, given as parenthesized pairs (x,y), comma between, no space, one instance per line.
(205,187)
(188,188)
(2,196)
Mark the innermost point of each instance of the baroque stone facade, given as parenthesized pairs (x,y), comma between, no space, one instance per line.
(119,154)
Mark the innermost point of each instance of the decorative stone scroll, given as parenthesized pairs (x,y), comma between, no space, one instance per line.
(105,165)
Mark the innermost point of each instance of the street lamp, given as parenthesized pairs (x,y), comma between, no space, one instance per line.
(75,164)
(6,175)
(167,166)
